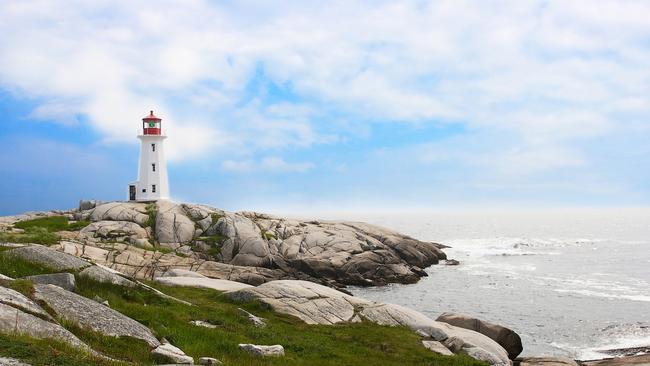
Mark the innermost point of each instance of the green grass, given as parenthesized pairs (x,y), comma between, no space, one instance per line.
(16,267)
(350,344)
(42,230)
(37,235)
(52,224)
(47,352)
(151,221)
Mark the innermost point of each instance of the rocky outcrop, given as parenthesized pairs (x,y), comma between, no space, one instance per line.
(263,351)
(506,337)
(63,280)
(6,361)
(317,304)
(333,253)
(89,314)
(637,360)
(437,347)
(49,258)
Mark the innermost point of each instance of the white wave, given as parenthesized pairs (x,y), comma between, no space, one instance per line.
(606,295)
(513,246)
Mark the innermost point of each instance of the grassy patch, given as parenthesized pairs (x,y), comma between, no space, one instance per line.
(16,267)
(215,217)
(52,224)
(37,235)
(269,235)
(121,348)
(349,344)
(47,352)
(152,212)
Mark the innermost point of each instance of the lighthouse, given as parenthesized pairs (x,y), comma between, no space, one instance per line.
(152,183)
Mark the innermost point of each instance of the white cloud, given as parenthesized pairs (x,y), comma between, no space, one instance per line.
(547,73)
(267,164)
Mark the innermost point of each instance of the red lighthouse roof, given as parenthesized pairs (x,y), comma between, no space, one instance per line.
(151,116)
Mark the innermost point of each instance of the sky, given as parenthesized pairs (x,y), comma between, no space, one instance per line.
(338,105)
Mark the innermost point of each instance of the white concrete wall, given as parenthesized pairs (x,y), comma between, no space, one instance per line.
(146,176)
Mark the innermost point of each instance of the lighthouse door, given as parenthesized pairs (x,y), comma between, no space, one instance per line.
(131,193)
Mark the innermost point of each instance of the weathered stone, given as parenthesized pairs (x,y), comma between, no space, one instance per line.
(209,361)
(113,231)
(174,354)
(89,314)
(172,224)
(48,257)
(255,320)
(6,361)
(105,275)
(88,204)
(506,337)
(215,284)
(19,301)
(120,211)
(204,324)
(548,361)
(263,351)
(437,347)
(5,278)
(313,303)
(63,280)
(245,245)
(13,320)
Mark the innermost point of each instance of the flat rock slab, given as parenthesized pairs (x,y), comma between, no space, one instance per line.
(263,351)
(89,314)
(546,361)
(120,211)
(215,284)
(105,275)
(14,320)
(313,303)
(177,272)
(638,360)
(173,353)
(63,280)
(209,361)
(19,301)
(6,278)
(112,230)
(50,258)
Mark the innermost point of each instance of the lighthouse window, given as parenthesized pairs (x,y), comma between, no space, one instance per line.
(153,188)
(153,147)
(153,167)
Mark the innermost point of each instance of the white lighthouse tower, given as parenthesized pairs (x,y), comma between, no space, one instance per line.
(152,183)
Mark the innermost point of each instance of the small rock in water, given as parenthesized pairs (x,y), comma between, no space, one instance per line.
(201,323)
(263,351)
(256,320)
(209,361)
(452,262)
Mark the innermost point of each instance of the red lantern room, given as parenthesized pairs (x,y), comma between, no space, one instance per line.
(151,124)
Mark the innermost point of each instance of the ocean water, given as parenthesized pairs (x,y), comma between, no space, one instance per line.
(570,282)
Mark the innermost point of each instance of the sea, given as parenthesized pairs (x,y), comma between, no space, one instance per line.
(571,282)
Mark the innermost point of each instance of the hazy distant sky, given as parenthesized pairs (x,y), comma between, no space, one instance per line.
(277,105)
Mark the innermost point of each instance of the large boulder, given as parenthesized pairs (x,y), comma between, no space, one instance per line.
(313,303)
(245,245)
(172,224)
(506,337)
(49,258)
(13,320)
(90,314)
(119,211)
(63,280)
(113,231)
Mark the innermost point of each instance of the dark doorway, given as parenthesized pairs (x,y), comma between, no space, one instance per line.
(131,193)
